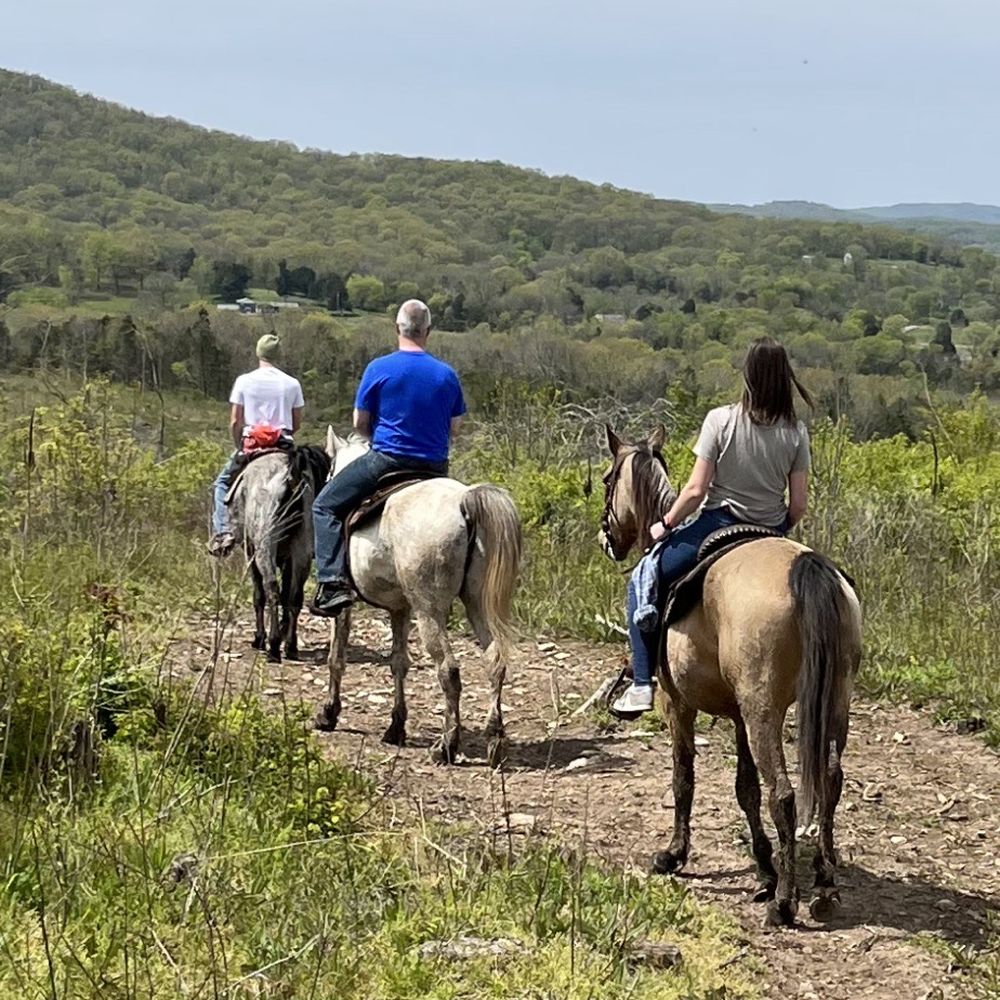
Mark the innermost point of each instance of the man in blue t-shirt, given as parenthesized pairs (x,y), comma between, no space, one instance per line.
(410,404)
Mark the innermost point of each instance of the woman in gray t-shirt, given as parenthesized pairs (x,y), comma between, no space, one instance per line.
(747,456)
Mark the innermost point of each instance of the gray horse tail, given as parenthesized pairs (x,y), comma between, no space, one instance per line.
(830,635)
(494,524)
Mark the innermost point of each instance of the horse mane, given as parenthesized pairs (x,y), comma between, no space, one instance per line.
(652,494)
(309,461)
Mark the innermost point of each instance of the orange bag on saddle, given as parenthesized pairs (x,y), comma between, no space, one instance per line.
(261,436)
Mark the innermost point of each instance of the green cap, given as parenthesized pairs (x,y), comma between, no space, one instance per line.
(269,347)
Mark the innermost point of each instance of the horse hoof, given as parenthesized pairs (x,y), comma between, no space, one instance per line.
(395,736)
(496,752)
(666,863)
(292,653)
(764,893)
(780,913)
(825,906)
(446,753)
(259,642)
(326,718)
(273,657)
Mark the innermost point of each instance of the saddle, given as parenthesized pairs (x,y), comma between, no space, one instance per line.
(686,592)
(388,485)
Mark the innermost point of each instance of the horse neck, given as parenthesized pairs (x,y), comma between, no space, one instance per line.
(652,494)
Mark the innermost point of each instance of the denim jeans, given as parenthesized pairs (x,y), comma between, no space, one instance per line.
(677,557)
(341,495)
(220,512)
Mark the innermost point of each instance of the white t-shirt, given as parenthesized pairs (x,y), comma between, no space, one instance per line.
(267,396)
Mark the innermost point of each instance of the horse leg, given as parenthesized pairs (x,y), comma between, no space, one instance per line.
(434,634)
(284,603)
(293,602)
(826,901)
(764,732)
(497,670)
(675,856)
(259,603)
(275,616)
(748,796)
(340,630)
(399,660)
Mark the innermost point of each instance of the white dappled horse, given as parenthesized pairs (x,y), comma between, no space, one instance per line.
(433,541)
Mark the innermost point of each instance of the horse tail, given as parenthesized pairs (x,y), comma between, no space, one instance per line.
(494,522)
(829,624)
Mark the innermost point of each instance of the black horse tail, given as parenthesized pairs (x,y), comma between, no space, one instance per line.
(830,628)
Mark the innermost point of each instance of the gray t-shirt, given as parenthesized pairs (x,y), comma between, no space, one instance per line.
(752,463)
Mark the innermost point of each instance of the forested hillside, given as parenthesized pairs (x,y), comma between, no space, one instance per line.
(114,223)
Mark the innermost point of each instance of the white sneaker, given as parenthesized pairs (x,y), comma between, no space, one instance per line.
(636,700)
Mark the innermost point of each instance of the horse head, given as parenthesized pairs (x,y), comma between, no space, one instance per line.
(637,492)
(343,451)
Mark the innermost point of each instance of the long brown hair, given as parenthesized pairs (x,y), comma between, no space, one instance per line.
(767,384)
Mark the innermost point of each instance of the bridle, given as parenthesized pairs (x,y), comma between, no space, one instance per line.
(609,518)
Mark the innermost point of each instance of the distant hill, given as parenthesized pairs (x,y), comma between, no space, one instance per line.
(963,222)
(956,212)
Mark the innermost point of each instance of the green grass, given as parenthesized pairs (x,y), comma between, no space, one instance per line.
(225,857)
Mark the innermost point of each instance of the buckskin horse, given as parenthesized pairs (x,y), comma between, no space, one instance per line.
(271,500)
(776,623)
(431,542)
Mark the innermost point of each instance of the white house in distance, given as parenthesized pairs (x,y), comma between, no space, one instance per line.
(251,307)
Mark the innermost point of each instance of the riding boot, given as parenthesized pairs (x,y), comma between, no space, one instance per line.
(331,598)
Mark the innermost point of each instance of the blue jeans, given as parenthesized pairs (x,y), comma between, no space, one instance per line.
(341,495)
(677,557)
(220,512)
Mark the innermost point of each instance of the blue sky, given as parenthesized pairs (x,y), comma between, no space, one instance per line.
(852,103)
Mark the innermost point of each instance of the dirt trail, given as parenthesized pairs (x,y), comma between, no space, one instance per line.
(917,826)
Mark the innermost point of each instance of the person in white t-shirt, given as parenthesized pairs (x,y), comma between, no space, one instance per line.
(265,397)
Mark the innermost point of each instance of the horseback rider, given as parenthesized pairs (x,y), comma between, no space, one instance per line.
(409,404)
(265,411)
(746,456)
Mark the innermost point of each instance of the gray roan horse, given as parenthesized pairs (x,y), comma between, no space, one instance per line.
(434,541)
(777,623)
(271,503)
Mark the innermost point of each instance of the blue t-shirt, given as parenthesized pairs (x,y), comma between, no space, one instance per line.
(411,397)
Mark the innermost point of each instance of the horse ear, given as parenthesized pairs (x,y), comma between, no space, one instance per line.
(334,442)
(614,441)
(656,438)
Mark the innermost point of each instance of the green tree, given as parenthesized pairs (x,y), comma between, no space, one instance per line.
(96,256)
(366,292)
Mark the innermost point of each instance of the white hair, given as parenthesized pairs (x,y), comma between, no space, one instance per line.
(413,319)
